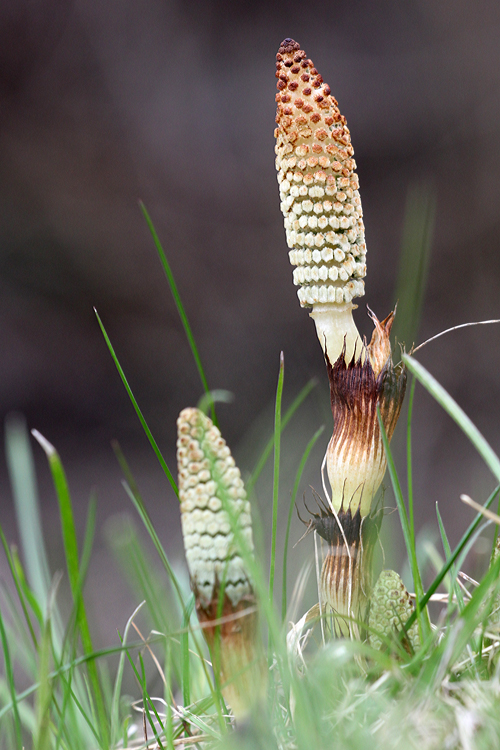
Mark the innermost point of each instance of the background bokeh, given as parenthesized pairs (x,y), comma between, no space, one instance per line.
(171,102)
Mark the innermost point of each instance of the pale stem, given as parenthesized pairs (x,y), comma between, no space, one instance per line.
(334,326)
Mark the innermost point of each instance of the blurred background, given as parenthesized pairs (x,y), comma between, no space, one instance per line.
(172,102)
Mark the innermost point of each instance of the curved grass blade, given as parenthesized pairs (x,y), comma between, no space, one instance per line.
(456,413)
(180,307)
(74,575)
(139,413)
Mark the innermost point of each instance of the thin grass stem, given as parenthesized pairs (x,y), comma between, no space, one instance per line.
(409,462)
(180,307)
(276,474)
(298,400)
(139,413)
(298,477)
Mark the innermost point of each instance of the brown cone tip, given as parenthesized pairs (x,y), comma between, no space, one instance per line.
(319,189)
(288,45)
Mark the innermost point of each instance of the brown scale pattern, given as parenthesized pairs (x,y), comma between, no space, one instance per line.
(318,185)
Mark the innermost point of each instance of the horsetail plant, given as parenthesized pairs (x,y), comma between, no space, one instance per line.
(320,201)
(217,533)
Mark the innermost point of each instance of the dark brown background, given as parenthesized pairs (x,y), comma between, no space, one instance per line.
(173,102)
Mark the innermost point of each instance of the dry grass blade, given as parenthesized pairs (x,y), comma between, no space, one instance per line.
(479,508)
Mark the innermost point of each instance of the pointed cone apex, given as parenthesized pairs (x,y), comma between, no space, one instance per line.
(318,185)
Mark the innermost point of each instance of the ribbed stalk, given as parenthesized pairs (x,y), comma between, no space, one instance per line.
(321,205)
(346,575)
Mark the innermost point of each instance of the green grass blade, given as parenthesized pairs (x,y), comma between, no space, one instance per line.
(22,477)
(298,400)
(414,262)
(456,413)
(298,477)
(186,686)
(454,588)
(73,568)
(139,413)
(421,610)
(409,461)
(461,546)
(169,724)
(132,491)
(21,588)
(44,695)
(9,673)
(115,701)
(276,474)
(74,664)
(475,612)
(180,307)
(146,702)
